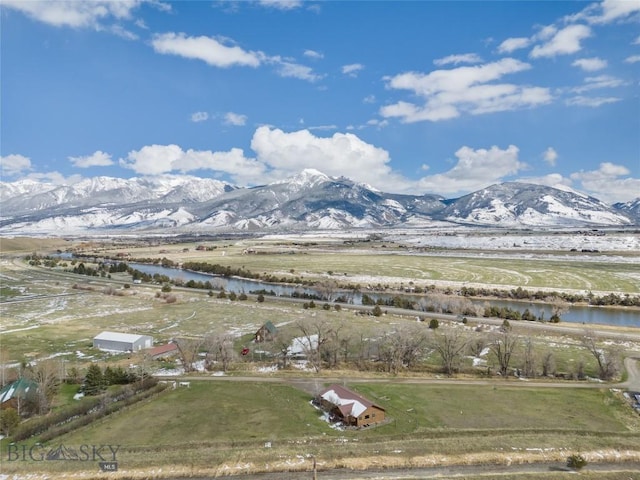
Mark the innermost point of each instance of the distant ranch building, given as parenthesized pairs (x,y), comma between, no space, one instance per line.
(122,342)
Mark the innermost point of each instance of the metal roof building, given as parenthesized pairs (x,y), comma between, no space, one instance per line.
(122,342)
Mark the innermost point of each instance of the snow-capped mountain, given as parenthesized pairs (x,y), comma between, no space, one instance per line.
(525,204)
(630,209)
(308,200)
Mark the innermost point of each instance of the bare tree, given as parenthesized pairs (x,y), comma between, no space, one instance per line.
(477,345)
(608,358)
(548,364)
(188,349)
(315,334)
(502,346)
(45,374)
(220,349)
(529,361)
(450,344)
(402,347)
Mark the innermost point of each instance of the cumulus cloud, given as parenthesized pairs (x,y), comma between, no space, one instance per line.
(513,44)
(456,59)
(632,59)
(610,182)
(208,49)
(590,64)
(353,69)
(235,119)
(475,169)
(564,42)
(14,164)
(197,117)
(96,159)
(74,14)
(551,180)
(550,156)
(449,93)
(340,154)
(161,159)
(607,11)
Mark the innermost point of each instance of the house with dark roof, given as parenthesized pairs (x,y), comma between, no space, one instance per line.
(265,333)
(350,408)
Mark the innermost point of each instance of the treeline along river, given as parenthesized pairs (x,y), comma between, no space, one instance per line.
(575,314)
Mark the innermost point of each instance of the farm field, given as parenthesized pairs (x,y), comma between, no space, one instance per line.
(217,426)
(393,264)
(256,417)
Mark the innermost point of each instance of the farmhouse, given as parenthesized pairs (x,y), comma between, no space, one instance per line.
(122,342)
(12,394)
(265,333)
(349,407)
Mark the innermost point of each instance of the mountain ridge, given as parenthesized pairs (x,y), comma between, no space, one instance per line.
(306,201)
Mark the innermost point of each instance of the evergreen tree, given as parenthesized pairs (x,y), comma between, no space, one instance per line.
(94,381)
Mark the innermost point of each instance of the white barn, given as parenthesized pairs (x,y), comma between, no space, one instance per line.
(122,342)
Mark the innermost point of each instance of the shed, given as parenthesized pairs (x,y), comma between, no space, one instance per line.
(163,351)
(122,342)
(349,407)
(265,333)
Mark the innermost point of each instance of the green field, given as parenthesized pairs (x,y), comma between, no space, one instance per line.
(213,423)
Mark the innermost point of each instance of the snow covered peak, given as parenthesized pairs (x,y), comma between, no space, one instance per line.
(309,177)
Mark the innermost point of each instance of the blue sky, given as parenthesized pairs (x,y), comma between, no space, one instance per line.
(409,97)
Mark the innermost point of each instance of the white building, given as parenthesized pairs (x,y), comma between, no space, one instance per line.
(122,342)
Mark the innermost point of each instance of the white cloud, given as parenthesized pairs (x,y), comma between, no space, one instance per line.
(456,59)
(199,117)
(564,42)
(582,101)
(294,70)
(236,119)
(590,64)
(513,44)
(475,169)
(550,156)
(160,159)
(449,93)
(323,127)
(607,11)
(341,154)
(601,81)
(281,4)
(14,164)
(637,40)
(96,159)
(550,180)
(352,70)
(74,13)
(369,99)
(207,49)
(632,59)
(606,182)
(55,178)
(313,54)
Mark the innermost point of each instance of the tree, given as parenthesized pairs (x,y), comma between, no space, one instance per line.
(166,288)
(548,364)
(433,323)
(315,334)
(377,311)
(450,345)
(46,374)
(188,349)
(608,358)
(9,420)
(502,346)
(260,298)
(94,382)
(220,347)
(529,364)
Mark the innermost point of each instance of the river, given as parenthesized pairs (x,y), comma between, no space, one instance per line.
(576,314)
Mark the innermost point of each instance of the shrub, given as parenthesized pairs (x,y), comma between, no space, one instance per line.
(377,311)
(576,461)
(433,323)
(260,298)
(326,306)
(242,296)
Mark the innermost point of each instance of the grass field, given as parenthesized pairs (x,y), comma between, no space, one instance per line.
(393,265)
(222,423)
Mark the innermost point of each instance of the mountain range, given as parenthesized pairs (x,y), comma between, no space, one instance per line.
(308,200)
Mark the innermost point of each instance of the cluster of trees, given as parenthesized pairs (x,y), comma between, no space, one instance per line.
(97,380)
